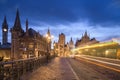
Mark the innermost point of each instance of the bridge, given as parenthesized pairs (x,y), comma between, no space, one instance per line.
(13,70)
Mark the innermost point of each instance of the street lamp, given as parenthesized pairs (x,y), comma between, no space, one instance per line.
(54,45)
(48,38)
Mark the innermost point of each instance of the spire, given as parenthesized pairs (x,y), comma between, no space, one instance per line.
(4,31)
(5,25)
(86,33)
(71,39)
(48,32)
(26,27)
(17,24)
(67,43)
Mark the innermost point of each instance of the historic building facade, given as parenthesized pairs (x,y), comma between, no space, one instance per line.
(26,44)
(71,44)
(85,40)
(61,45)
(61,48)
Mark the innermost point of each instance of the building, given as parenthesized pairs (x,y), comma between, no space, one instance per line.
(28,43)
(24,43)
(67,50)
(61,48)
(85,40)
(71,44)
(48,37)
(5,47)
(61,45)
(55,48)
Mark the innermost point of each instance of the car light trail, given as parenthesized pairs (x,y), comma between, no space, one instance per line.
(101,65)
(103,62)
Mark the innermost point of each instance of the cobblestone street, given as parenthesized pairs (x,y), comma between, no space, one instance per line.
(57,69)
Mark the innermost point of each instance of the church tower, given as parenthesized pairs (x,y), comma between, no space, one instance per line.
(71,44)
(16,33)
(85,38)
(48,33)
(49,39)
(4,31)
(61,45)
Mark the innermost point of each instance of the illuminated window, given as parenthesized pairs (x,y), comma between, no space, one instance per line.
(31,45)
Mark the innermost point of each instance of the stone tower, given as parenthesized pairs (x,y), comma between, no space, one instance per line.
(4,32)
(16,33)
(71,44)
(85,38)
(61,44)
(49,40)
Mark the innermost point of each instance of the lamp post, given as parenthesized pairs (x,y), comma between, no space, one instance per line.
(48,38)
(54,44)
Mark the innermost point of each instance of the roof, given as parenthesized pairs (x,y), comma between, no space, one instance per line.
(5,46)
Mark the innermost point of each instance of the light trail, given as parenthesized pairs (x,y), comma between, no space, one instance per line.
(100,58)
(98,45)
(89,60)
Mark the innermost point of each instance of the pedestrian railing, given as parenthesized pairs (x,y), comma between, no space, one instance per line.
(13,70)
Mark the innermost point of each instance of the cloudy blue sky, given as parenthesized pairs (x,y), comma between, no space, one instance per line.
(101,18)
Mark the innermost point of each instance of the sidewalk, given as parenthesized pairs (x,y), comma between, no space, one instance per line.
(57,69)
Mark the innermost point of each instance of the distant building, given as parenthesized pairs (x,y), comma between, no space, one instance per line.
(48,36)
(61,48)
(71,44)
(85,40)
(67,50)
(55,48)
(61,45)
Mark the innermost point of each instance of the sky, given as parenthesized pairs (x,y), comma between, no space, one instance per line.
(100,18)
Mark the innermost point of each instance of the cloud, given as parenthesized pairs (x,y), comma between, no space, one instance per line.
(101,18)
(66,11)
(77,29)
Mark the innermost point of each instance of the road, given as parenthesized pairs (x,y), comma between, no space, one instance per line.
(95,68)
(83,67)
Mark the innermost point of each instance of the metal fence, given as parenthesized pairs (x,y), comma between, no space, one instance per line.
(13,70)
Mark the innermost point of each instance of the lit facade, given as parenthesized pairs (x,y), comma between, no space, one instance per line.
(71,44)
(26,44)
(61,45)
(85,40)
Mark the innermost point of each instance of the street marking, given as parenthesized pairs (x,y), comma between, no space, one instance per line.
(72,70)
(111,68)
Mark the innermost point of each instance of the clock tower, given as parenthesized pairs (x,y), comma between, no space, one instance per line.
(4,31)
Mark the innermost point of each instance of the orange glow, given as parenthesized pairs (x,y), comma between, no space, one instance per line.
(96,45)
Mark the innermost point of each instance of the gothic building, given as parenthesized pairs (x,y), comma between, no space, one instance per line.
(4,31)
(61,44)
(71,44)
(85,40)
(61,48)
(5,47)
(26,44)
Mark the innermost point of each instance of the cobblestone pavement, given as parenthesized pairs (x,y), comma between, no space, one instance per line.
(57,69)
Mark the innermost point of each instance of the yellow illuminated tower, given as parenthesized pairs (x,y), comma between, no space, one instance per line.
(61,45)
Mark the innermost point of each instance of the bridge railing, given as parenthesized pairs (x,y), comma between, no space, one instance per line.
(13,70)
